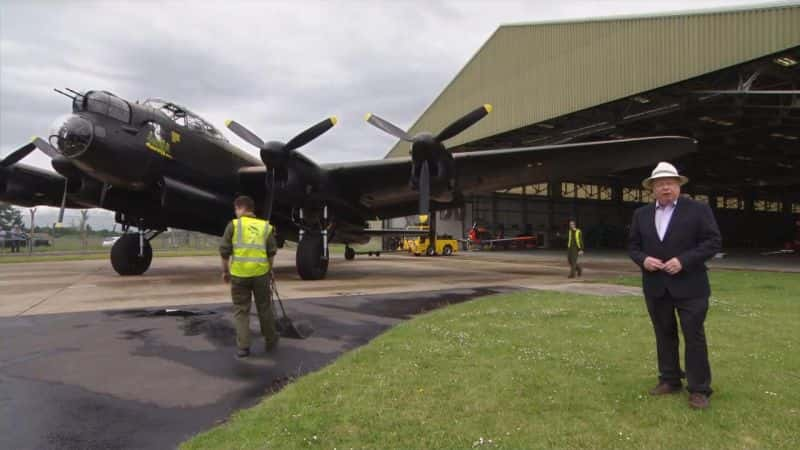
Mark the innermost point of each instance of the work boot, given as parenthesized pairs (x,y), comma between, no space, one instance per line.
(666,388)
(271,345)
(243,353)
(580,271)
(698,401)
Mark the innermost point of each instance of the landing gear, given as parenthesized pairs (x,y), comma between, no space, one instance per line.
(131,254)
(349,253)
(312,247)
(310,259)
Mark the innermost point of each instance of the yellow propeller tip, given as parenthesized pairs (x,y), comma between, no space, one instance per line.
(423,218)
(488,107)
(33,138)
(367,116)
(228,122)
(59,225)
(334,120)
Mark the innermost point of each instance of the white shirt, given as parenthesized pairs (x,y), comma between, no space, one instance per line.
(663,217)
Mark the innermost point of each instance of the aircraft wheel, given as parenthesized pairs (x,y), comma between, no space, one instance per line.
(309,258)
(349,253)
(125,257)
(447,250)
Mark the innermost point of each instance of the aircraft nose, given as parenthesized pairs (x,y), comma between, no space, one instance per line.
(71,135)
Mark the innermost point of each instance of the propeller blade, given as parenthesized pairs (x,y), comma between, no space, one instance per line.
(63,203)
(463,123)
(388,127)
(270,185)
(246,135)
(310,134)
(17,155)
(45,147)
(424,189)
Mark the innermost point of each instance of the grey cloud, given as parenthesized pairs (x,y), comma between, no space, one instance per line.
(277,67)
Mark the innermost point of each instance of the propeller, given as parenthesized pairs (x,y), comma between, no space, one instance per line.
(18,154)
(45,147)
(424,146)
(277,153)
(448,132)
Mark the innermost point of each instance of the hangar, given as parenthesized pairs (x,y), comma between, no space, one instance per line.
(729,78)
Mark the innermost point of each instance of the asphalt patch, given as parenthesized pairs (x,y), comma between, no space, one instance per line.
(405,306)
(152,378)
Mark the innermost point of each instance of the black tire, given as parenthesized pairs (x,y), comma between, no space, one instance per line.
(430,251)
(309,258)
(447,250)
(349,253)
(125,257)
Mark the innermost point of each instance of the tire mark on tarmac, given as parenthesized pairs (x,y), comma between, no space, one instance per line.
(48,297)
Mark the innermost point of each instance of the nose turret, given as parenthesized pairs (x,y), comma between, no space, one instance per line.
(71,135)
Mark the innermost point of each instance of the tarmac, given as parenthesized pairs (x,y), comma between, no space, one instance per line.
(92,360)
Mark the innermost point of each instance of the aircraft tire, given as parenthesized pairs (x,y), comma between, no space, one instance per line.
(309,261)
(349,253)
(125,255)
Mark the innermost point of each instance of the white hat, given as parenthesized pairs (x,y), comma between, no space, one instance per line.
(663,170)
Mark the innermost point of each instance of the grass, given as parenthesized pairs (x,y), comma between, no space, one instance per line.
(70,248)
(545,370)
(96,254)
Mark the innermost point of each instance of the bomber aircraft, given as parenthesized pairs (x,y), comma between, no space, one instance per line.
(157,164)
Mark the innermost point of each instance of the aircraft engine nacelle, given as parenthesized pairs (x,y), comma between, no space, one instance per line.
(174,203)
(178,197)
(442,168)
(22,188)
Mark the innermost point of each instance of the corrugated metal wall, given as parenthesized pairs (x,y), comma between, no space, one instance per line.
(534,72)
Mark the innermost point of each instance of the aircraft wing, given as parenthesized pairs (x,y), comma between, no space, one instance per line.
(26,185)
(383,185)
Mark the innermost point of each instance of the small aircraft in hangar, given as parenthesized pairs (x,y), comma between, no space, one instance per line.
(157,164)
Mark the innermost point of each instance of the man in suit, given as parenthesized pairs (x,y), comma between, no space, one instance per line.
(671,239)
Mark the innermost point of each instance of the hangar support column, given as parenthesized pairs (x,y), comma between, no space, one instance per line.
(554,187)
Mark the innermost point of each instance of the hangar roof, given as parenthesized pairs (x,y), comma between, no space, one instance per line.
(555,82)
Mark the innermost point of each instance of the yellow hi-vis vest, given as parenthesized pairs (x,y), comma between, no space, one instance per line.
(578,239)
(249,257)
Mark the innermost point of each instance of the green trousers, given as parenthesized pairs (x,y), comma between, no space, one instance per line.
(243,291)
(572,258)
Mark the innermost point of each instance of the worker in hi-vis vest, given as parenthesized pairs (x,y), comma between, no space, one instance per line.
(574,249)
(248,249)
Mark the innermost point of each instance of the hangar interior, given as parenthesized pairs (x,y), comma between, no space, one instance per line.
(730,79)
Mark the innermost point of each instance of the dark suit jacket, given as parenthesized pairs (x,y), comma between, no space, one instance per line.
(692,236)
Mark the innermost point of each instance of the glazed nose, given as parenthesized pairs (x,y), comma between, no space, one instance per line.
(71,135)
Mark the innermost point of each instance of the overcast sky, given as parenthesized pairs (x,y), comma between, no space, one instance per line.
(276,67)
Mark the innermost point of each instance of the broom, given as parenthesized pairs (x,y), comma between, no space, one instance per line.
(299,329)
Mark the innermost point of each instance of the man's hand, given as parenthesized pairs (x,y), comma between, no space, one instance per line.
(580,252)
(226,277)
(653,264)
(673,266)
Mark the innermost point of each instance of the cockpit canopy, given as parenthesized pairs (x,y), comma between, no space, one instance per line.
(184,117)
(105,103)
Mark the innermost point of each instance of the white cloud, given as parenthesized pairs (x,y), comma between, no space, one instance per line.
(275,66)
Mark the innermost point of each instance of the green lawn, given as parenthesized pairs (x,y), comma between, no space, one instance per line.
(96,254)
(545,370)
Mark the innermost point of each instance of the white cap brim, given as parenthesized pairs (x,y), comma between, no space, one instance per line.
(647,183)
